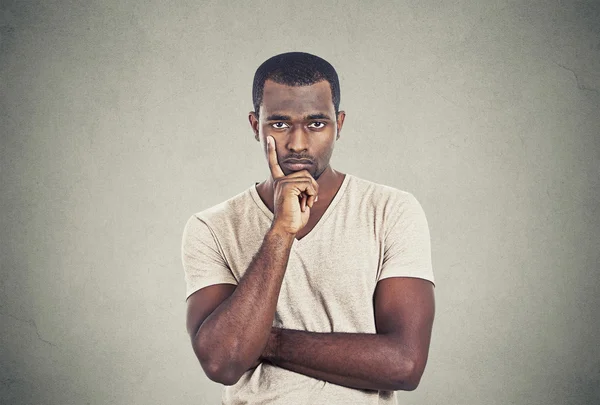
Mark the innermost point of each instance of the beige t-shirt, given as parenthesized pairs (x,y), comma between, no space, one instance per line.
(369,232)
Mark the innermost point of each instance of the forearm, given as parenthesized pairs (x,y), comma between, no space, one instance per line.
(356,360)
(235,334)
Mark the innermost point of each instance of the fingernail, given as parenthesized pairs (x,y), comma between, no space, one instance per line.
(316,198)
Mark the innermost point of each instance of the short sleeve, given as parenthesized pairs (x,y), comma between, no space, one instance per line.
(203,262)
(407,251)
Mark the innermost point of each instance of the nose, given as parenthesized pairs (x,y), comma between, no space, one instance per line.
(297,139)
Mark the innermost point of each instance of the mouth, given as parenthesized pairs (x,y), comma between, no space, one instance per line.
(297,164)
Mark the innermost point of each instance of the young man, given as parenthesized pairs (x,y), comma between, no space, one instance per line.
(314,286)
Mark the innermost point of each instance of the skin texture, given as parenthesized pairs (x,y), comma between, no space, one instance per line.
(392,359)
(230,327)
(300,137)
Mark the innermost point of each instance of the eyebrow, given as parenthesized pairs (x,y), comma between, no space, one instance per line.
(279,117)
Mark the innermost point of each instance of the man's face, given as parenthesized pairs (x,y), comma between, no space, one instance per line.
(302,121)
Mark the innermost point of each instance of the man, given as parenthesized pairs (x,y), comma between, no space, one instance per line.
(314,286)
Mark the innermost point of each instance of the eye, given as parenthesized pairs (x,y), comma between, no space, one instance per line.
(279,125)
(317,125)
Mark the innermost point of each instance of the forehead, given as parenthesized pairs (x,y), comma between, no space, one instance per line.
(280,98)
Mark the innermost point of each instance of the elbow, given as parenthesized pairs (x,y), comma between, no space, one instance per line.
(408,385)
(220,370)
(408,376)
(221,373)
(218,365)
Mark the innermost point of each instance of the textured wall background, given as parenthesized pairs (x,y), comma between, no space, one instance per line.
(118,120)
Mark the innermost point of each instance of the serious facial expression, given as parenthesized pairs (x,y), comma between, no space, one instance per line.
(303,123)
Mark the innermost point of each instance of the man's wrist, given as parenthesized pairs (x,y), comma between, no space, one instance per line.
(271,352)
(282,231)
(280,237)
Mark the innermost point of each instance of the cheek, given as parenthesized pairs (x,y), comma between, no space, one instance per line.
(325,155)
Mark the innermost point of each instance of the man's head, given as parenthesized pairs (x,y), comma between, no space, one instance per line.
(295,69)
(296,99)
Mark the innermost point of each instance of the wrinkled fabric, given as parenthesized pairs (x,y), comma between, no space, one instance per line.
(369,232)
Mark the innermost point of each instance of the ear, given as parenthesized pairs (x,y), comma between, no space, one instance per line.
(253,118)
(340,122)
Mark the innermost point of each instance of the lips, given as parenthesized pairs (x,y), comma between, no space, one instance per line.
(295,164)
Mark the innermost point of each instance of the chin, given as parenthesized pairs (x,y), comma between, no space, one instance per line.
(317,173)
(312,173)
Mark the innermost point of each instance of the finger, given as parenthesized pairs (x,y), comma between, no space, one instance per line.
(311,200)
(303,203)
(298,186)
(276,171)
(305,174)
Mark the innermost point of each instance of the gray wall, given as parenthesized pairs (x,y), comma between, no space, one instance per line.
(119,120)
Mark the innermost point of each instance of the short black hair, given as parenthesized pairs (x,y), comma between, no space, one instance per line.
(295,69)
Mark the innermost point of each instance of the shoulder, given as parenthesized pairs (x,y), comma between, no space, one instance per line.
(222,213)
(381,196)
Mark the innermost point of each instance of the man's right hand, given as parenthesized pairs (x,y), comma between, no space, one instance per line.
(293,195)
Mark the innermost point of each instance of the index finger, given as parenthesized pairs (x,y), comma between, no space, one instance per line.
(276,171)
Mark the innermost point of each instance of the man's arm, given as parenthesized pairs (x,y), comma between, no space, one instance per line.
(229,326)
(229,330)
(392,359)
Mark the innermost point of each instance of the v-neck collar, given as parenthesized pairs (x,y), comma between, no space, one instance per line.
(338,196)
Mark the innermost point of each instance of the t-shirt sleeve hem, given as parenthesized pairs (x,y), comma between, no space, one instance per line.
(423,277)
(206,282)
